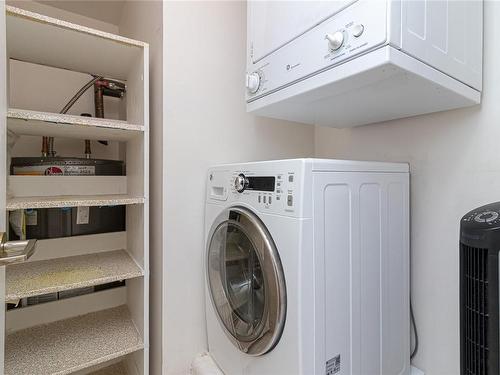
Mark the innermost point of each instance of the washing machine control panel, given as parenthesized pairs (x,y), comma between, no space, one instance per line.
(256,183)
(275,192)
(276,187)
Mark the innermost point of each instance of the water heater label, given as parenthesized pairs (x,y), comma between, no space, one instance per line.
(55,170)
(82,215)
(31,217)
(333,365)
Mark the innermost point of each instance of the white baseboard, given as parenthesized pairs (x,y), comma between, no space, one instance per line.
(205,365)
(416,371)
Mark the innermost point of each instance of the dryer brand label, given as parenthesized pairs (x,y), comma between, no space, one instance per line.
(333,365)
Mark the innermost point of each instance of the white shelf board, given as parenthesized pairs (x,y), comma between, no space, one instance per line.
(71,201)
(26,122)
(73,344)
(46,186)
(115,369)
(66,308)
(39,39)
(49,276)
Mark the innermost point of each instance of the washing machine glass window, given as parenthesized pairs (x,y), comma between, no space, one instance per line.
(246,281)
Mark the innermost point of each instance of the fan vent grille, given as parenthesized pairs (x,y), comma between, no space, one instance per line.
(476,317)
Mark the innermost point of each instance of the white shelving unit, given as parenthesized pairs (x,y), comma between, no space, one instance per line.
(114,369)
(104,332)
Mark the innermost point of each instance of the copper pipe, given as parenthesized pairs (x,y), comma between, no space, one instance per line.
(88,153)
(51,151)
(45,146)
(99,99)
(99,109)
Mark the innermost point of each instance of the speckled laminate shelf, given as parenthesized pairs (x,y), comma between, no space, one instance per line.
(71,201)
(39,39)
(116,369)
(13,11)
(55,275)
(73,344)
(26,122)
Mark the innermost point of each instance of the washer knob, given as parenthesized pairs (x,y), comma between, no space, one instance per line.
(240,183)
(335,40)
(253,82)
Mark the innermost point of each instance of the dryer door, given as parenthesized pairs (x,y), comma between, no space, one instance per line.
(246,281)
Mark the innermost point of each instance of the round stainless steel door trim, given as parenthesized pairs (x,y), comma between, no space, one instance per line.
(246,281)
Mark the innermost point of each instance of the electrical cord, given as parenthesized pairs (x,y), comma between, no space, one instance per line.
(414,325)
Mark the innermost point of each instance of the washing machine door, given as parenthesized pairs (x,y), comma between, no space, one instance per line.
(246,281)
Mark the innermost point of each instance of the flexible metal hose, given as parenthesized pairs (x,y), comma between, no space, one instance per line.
(48,142)
(79,94)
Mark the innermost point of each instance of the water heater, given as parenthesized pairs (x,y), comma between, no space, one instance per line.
(479,302)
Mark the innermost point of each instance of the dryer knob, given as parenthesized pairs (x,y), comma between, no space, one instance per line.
(253,82)
(335,40)
(240,183)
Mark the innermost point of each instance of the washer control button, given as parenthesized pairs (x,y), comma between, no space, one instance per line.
(289,200)
(270,199)
(357,30)
(264,197)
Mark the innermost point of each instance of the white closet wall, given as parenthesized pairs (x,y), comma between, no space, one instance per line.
(205,123)
(143,20)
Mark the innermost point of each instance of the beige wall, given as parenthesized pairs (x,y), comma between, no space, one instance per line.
(51,11)
(205,123)
(455,166)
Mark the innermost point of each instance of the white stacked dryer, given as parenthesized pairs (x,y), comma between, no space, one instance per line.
(307,267)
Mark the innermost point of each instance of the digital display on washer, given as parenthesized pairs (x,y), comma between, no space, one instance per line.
(261,183)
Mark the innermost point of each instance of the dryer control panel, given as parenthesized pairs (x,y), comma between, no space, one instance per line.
(348,33)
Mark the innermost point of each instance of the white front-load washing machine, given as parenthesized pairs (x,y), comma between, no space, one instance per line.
(307,267)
